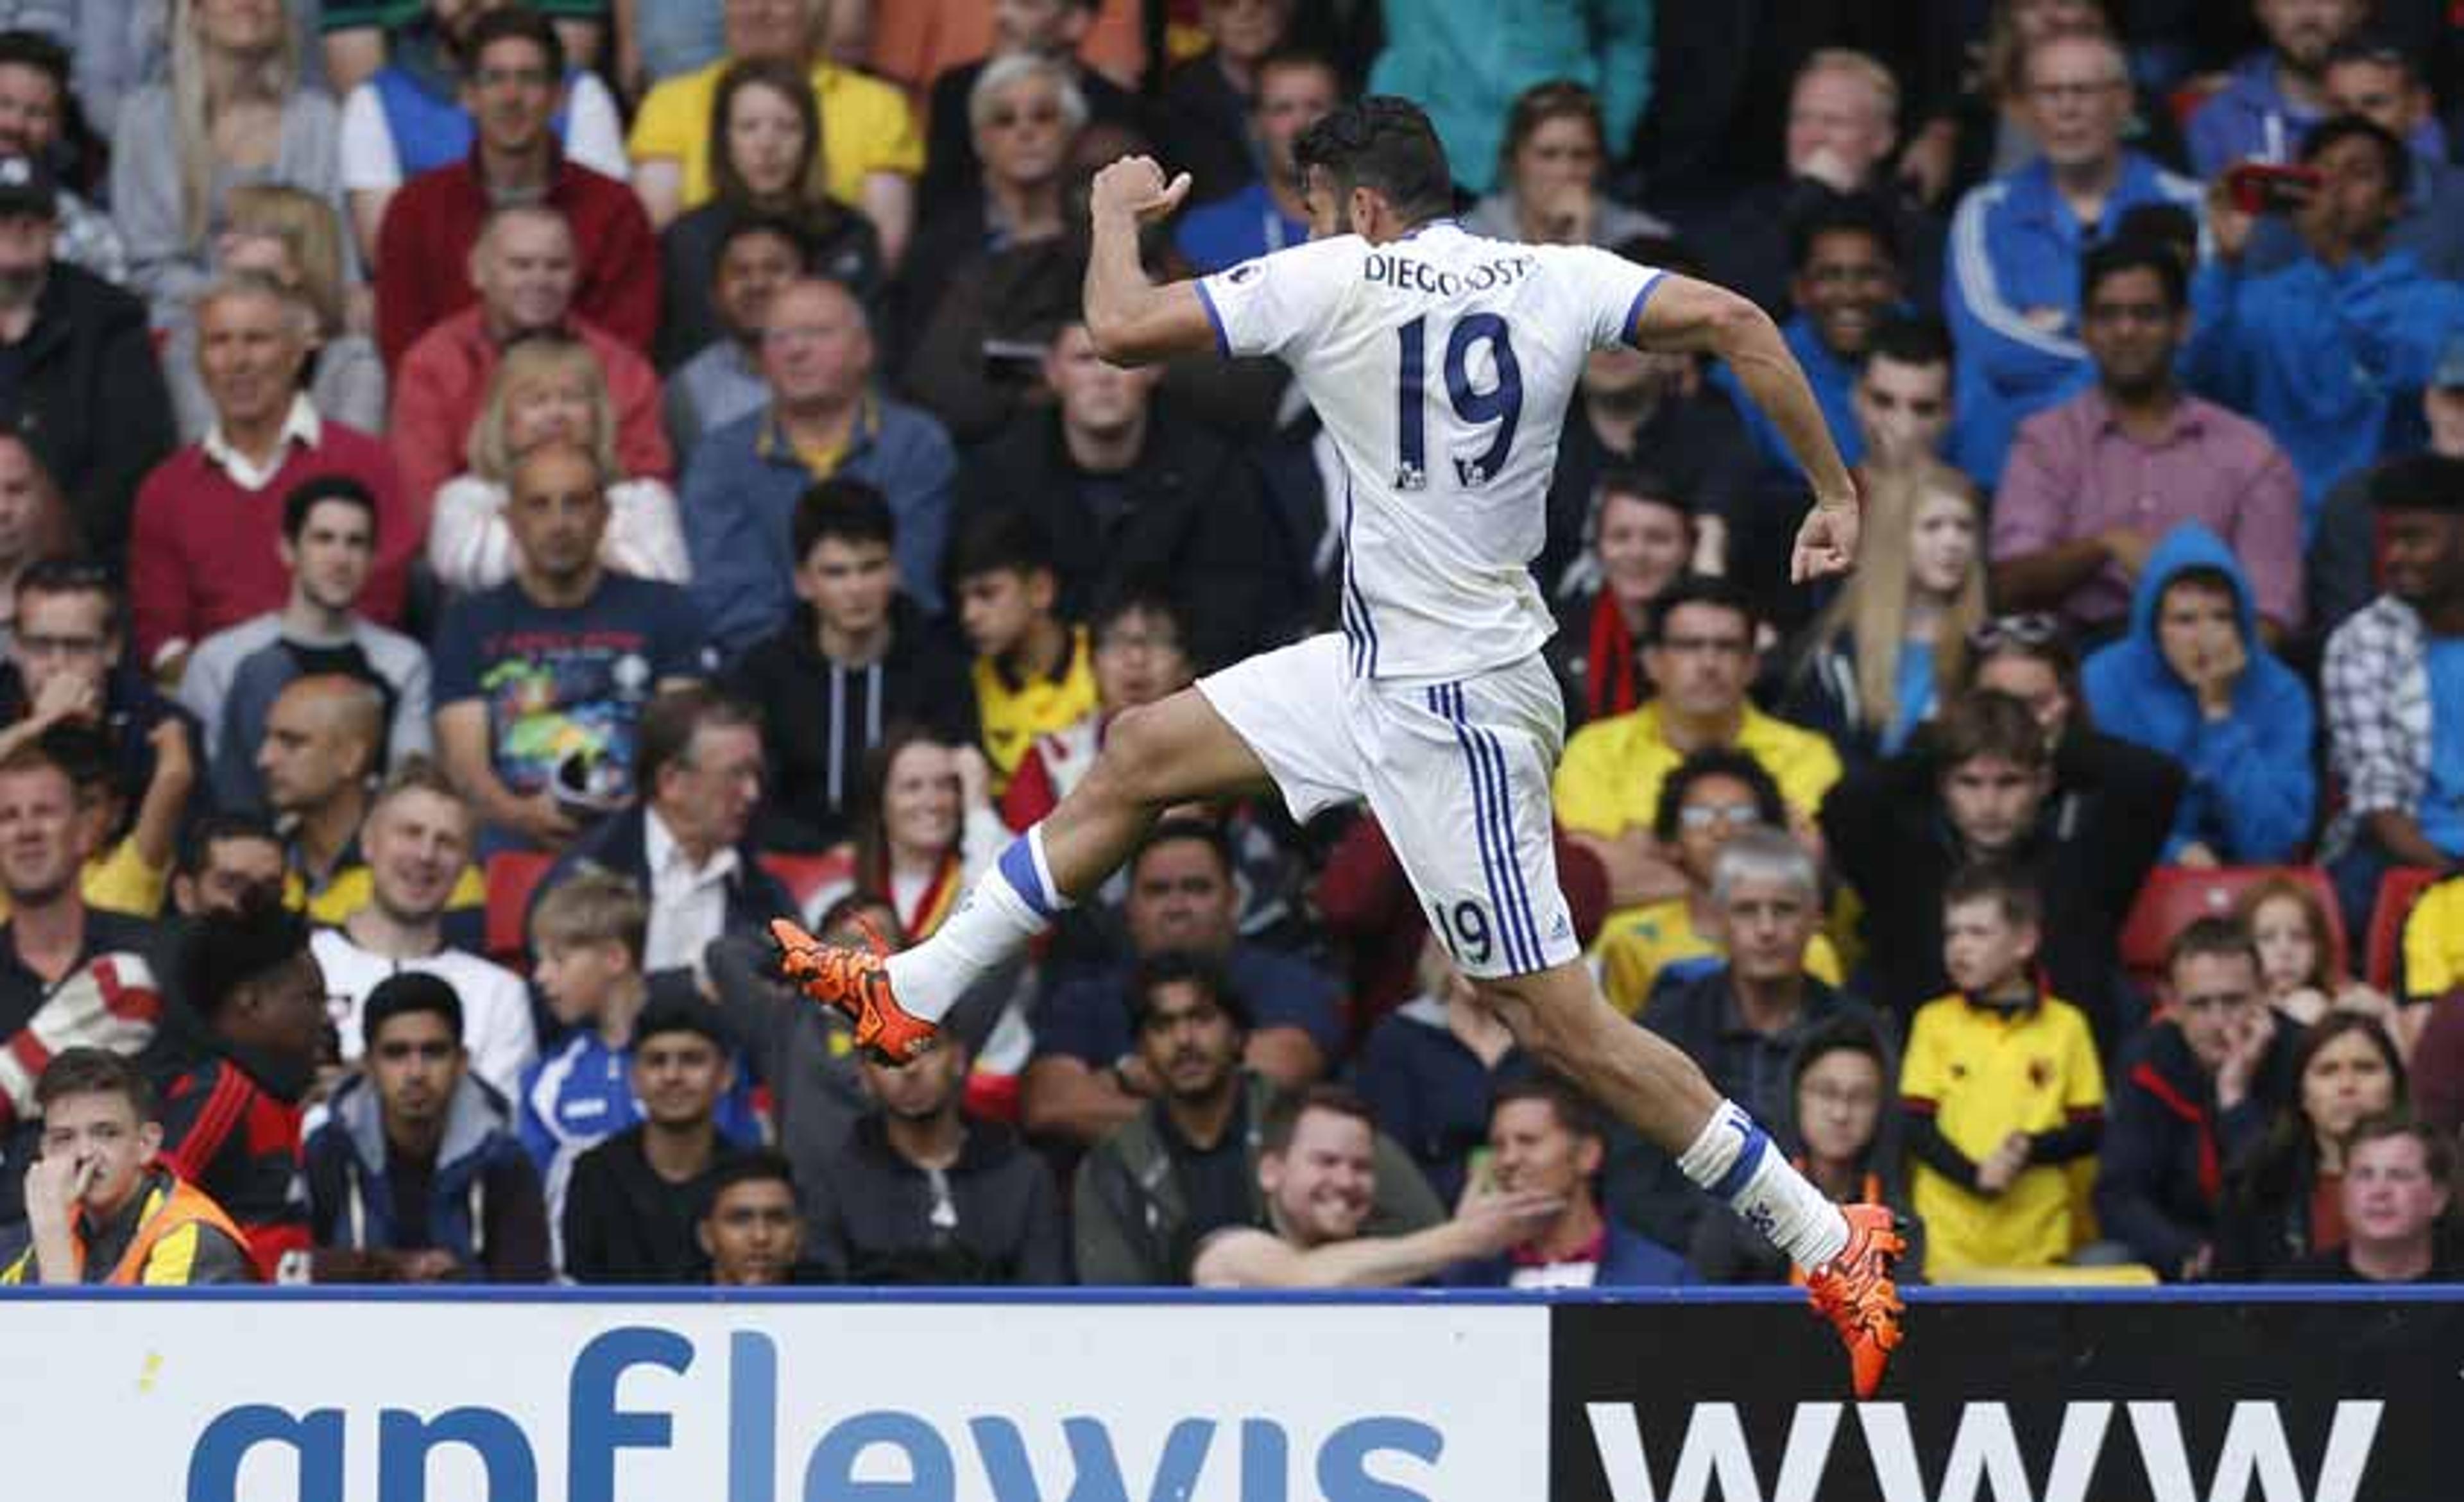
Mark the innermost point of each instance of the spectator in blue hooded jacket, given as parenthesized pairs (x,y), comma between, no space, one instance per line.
(415,1176)
(2323,351)
(2193,680)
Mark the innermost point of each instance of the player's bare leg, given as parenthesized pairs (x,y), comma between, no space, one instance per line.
(1848,1254)
(1177,751)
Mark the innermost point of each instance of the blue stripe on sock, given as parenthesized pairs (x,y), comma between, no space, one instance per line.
(1018,869)
(1749,1158)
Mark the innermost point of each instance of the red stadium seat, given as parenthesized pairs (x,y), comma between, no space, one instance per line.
(2176,895)
(2398,890)
(803,875)
(513,875)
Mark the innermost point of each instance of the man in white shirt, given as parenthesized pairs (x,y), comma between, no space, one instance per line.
(417,840)
(698,764)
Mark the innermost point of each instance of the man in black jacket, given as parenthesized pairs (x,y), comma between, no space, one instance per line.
(2085,816)
(921,1193)
(699,767)
(2192,1092)
(855,659)
(78,375)
(1127,491)
(630,1207)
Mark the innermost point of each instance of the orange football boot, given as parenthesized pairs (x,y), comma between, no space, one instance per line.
(1854,1291)
(855,982)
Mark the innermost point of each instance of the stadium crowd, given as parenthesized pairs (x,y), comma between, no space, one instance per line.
(497,502)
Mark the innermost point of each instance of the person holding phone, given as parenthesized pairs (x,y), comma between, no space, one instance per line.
(103,1208)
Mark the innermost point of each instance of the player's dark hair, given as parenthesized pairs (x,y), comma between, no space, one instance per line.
(1716,761)
(2009,888)
(516,22)
(2109,258)
(1843,213)
(846,510)
(1910,339)
(318,489)
(1184,967)
(2212,935)
(1285,1112)
(2393,154)
(1385,144)
(404,993)
(89,1070)
(1710,589)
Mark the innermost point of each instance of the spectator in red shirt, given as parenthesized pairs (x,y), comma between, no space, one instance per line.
(514,90)
(206,549)
(526,268)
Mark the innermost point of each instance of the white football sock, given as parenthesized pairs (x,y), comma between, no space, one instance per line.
(1000,915)
(1734,1161)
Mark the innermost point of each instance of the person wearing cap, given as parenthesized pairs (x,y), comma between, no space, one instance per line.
(205,551)
(77,365)
(2342,566)
(33,103)
(415,1178)
(2393,685)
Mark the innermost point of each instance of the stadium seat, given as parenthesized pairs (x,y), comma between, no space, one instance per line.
(2176,895)
(2398,890)
(803,875)
(513,875)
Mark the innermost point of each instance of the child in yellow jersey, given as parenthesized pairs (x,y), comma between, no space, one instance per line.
(1034,672)
(2002,1090)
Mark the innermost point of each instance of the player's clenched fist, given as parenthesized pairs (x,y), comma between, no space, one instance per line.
(1135,186)
(1826,544)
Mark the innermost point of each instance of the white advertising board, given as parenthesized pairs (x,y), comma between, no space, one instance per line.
(407,1399)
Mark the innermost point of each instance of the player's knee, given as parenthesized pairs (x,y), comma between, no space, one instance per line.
(1136,748)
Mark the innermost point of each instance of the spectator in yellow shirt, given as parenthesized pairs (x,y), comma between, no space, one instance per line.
(1711,797)
(1700,658)
(2002,1090)
(131,867)
(1034,672)
(870,149)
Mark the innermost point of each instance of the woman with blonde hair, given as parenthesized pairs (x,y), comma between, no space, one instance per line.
(1892,645)
(548,387)
(232,111)
(293,239)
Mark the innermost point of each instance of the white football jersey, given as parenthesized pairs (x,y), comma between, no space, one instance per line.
(1441,365)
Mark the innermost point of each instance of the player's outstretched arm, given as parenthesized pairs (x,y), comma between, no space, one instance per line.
(1697,317)
(1131,320)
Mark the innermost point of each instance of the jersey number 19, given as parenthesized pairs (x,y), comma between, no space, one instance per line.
(1498,407)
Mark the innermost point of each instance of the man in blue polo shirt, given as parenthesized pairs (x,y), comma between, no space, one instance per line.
(1296,91)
